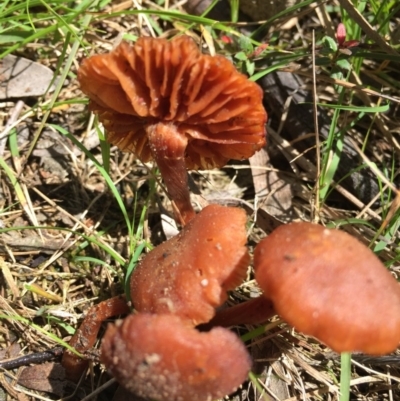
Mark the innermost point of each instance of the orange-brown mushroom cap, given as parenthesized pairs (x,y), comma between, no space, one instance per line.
(190,274)
(329,285)
(157,357)
(167,101)
(136,85)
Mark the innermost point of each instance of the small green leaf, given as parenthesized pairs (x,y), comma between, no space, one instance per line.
(245,44)
(344,64)
(250,67)
(241,56)
(330,43)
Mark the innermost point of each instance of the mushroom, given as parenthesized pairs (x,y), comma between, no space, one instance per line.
(190,274)
(165,100)
(158,357)
(329,285)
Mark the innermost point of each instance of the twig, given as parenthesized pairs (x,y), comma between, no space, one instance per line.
(35,358)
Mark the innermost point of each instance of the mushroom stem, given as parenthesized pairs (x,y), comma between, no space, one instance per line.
(168,147)
(86,335)
(254,311)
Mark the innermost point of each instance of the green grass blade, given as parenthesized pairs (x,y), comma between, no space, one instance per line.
(345,376)
(357,109)
(102,171)
(42,331)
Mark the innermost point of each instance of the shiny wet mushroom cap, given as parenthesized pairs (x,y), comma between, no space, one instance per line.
(190,274)
(157,357)
(329,285)
(165,100)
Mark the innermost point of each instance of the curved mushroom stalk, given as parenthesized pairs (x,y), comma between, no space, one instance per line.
(255,311)
(165,100)
(329,285)
(158,357)
(190,274)
(86,335)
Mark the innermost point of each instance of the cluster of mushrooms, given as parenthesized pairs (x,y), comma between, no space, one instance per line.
(165,100)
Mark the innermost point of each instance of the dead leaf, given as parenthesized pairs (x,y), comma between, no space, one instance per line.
(10,352)
(48,377)
(21,77)
(273,193)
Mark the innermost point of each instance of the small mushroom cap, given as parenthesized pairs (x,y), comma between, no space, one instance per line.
(158,357)
(155,80)
(190,274)
(329,285)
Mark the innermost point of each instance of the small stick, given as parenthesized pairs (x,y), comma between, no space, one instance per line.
(35,358)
